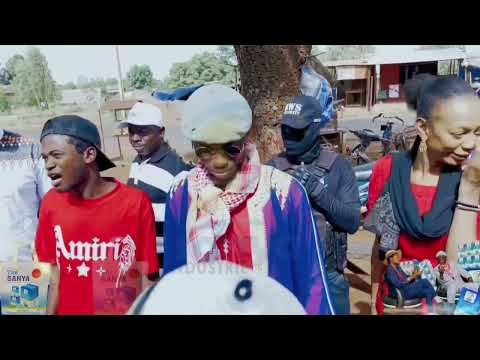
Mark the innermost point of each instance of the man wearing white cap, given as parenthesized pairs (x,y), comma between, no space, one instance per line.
(451,277)
(231,207)
(156,164)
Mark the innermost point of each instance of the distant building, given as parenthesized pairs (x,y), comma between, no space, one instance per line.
(7,90)
(135,94)
(81,96)
(382,77)
(113,90)
(470,70)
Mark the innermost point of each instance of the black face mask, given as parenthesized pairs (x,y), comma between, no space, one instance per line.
(302,145)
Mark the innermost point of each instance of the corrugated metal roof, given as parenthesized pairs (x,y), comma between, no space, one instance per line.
(415,56)
(81,96)
(357,62)
(418,56)
(474,62)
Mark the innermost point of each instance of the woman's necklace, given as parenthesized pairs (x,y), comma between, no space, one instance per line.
(420,175)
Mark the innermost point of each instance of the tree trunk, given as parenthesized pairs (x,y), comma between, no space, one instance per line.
(270,78)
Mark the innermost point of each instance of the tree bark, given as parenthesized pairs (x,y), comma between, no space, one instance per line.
(270,78)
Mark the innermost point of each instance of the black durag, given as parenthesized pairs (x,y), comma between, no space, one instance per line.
(435,223)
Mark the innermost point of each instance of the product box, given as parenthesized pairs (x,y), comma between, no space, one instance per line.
(24,288)
(427,270)
(469,256)
(469,303)
(475,274)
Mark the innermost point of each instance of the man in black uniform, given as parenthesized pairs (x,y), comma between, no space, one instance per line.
(330,184)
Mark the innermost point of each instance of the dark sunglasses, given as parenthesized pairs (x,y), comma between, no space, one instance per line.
(232,151)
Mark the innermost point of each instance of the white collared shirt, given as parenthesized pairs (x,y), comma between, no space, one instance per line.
(23,184)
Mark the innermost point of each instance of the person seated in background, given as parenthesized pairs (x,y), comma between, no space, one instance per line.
(451,277)
(411,287)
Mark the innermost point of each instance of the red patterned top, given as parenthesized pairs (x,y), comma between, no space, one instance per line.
(425,196)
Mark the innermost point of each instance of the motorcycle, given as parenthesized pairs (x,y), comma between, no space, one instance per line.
(402,141)
(359,153)
(390,141)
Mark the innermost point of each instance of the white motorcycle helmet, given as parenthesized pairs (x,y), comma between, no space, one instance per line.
(218,288)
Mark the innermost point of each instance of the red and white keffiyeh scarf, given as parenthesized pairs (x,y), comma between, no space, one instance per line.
(209,213)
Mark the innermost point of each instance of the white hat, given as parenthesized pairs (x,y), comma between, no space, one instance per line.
(217,288)
(216,114)
(143,114)
(390,253)
(441,253)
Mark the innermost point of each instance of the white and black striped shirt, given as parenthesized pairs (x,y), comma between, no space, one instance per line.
(155,176)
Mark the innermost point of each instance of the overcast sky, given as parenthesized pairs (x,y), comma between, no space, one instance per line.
(68,62)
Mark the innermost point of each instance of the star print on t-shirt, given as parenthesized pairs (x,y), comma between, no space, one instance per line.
(83,270)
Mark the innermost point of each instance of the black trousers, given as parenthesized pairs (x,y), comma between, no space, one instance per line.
(154,277)
(160,260)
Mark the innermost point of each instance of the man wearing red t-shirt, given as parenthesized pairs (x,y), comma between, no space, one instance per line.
(97,233)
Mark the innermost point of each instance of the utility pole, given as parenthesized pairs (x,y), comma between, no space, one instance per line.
(465,65)
(120,82)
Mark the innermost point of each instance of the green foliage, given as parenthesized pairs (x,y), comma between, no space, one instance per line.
(7,73)
(12,63)
(140,77)
(201,69)
(165,85)
(33,82)
(4,103)
(111,81)
(68,86)
(5,78)
(94,83)
(82,82)
(346,52)
(227,54)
